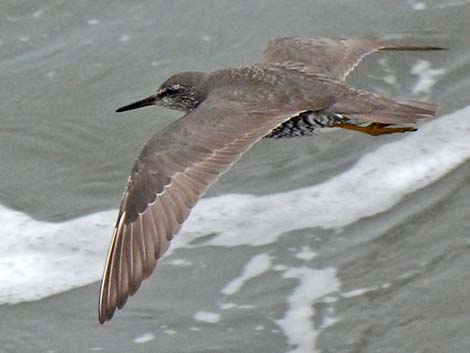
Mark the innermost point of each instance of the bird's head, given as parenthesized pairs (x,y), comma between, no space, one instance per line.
(180,92)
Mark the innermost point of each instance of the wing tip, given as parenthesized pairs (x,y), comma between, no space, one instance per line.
(103,317)
(106,310)
(105,313)
(390,46)
(113,295)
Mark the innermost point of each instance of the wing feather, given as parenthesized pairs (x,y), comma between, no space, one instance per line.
(174,169)
(335,58)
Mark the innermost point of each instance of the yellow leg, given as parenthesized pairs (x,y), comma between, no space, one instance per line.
(375,129)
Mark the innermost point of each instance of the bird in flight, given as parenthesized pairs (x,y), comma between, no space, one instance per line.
(297,87)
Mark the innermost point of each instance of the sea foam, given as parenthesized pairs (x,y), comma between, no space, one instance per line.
(38,259)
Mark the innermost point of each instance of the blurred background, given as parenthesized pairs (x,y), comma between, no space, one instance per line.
(340,242)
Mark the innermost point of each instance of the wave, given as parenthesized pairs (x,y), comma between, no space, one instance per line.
(39,259)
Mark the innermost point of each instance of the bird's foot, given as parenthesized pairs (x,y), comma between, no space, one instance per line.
(374,129)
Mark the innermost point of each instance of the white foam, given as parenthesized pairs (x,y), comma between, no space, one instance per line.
(329,318)
(377,182)
(207,316)
(124,38)
(306,254)
(280,267)
(180,262)
(297,322)
(257,265)
(228,306)
(361,291)
(358,292)
(420,6)
(426,76)
(38,13)
(390,79)
(38,259)
(454,3)
(417,5)
(146,337)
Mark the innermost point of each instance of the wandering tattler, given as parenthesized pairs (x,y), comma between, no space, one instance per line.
(296,88)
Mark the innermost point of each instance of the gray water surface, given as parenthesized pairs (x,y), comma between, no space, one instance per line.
(402,273)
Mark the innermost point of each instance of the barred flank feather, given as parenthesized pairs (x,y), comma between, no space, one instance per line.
(305,124)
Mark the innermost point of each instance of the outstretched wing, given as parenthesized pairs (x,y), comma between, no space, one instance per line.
(174,169)
(335,58)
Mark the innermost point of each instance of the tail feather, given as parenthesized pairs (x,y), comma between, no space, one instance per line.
(426,107)
(390,117)
(372,107)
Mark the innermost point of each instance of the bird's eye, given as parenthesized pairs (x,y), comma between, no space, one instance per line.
(172,89)
(169,91)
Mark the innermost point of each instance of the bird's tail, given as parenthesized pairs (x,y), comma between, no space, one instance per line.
(371,107)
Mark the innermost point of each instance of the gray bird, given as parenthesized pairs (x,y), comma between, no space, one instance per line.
(296,88)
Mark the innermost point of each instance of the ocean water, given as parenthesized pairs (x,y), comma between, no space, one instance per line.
(339,242)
